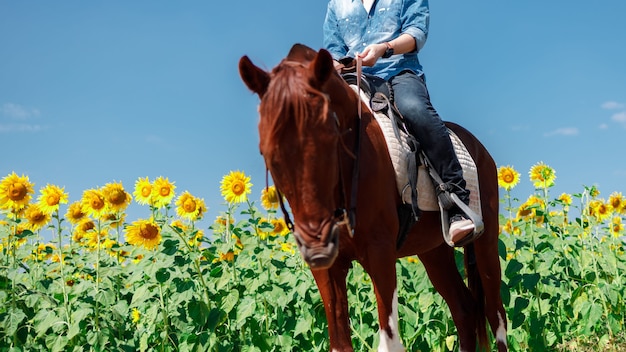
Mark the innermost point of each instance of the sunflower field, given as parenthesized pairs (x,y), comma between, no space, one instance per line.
(106,283)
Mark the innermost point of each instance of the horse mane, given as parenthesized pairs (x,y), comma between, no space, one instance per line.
(288,100)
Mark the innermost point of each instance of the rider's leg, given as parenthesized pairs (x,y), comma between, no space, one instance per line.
(413,101)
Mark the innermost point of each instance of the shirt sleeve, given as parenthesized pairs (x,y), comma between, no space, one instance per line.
(415,21)
(333,42)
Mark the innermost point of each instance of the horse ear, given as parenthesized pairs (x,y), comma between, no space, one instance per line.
(322,66)
(255,78)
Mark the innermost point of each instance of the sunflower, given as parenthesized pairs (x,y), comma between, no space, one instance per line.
(36,217)
(507,177)
(617,227)
(280,227)
(15,192)
(114,219)
(190,207)
(617,201)
(135,315)
(94,239)
(162,192)
(269,198)
(565,198)
(143,191)
(44,251)
(116,197)
(50,198)
(288,247)
(83,227)
(542,175)
(235,187)
(600,210)
(74,213)
(144,233)
(93,203)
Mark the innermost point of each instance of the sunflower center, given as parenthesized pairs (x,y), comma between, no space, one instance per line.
(37,217)
(508,177)
(165,191)
(238,188)
(53,199)
(278,227)
(189,205)
(17,191)
(145,191)
(149,232)
(117,197)
(97,203)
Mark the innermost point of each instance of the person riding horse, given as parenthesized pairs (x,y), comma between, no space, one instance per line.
(387,36)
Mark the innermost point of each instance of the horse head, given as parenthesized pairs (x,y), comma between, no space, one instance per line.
(300,130)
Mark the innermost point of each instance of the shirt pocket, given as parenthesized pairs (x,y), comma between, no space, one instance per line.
(389,15)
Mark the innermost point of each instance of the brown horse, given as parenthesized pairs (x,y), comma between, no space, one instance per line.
(311,139)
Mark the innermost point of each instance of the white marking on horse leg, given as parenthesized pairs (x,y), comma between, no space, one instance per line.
(393,343)
(501,331)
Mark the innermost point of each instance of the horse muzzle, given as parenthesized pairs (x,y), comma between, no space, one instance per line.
(321,252)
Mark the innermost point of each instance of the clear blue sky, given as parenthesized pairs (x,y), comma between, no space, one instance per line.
(98,91)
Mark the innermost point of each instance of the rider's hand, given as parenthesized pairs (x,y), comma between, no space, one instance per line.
(372,53)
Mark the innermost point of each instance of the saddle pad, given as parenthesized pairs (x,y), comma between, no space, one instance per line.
(399,151)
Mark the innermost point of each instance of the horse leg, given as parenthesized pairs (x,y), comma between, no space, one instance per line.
(381,267)
(488,261)
(332,286)
(444,275)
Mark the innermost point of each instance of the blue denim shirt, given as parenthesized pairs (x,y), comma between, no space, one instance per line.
(349,28)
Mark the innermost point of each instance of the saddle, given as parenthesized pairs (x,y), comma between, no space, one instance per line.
(419,185)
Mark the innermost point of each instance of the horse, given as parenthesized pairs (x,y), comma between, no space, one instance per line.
(324,159)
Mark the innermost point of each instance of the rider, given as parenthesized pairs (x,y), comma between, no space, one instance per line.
(387,35)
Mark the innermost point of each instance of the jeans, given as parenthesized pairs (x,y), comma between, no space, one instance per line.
(413,101)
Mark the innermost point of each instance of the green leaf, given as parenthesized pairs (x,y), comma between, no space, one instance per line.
(245,310)
(230,301)
(162,275)
(170,247)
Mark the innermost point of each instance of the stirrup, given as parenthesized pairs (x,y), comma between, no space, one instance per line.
(479,226)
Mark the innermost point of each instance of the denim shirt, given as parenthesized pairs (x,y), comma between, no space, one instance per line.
(349,29)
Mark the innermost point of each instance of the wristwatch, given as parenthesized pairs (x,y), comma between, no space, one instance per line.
(389,52)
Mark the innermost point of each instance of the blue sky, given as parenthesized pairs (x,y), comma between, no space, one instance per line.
(98,91)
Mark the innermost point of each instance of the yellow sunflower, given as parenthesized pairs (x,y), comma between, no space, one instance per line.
(269,198)
(116,197)
(94,239)
(74,213)
(162,192)
(565,198)
(542,175)
(84,226)
(190,207)
(135,315)
(114,219)
(143,191)
(280,227)
(50,198)
(44,251)
(507,177)
(144,233)
(617,227)
(36,217)
(600,210)
(15,192)
(93,203)
(235,187)
(617,201)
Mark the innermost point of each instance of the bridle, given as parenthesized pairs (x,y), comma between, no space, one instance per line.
(344,216)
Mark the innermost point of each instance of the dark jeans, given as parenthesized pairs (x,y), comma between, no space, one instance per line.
(412,99)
